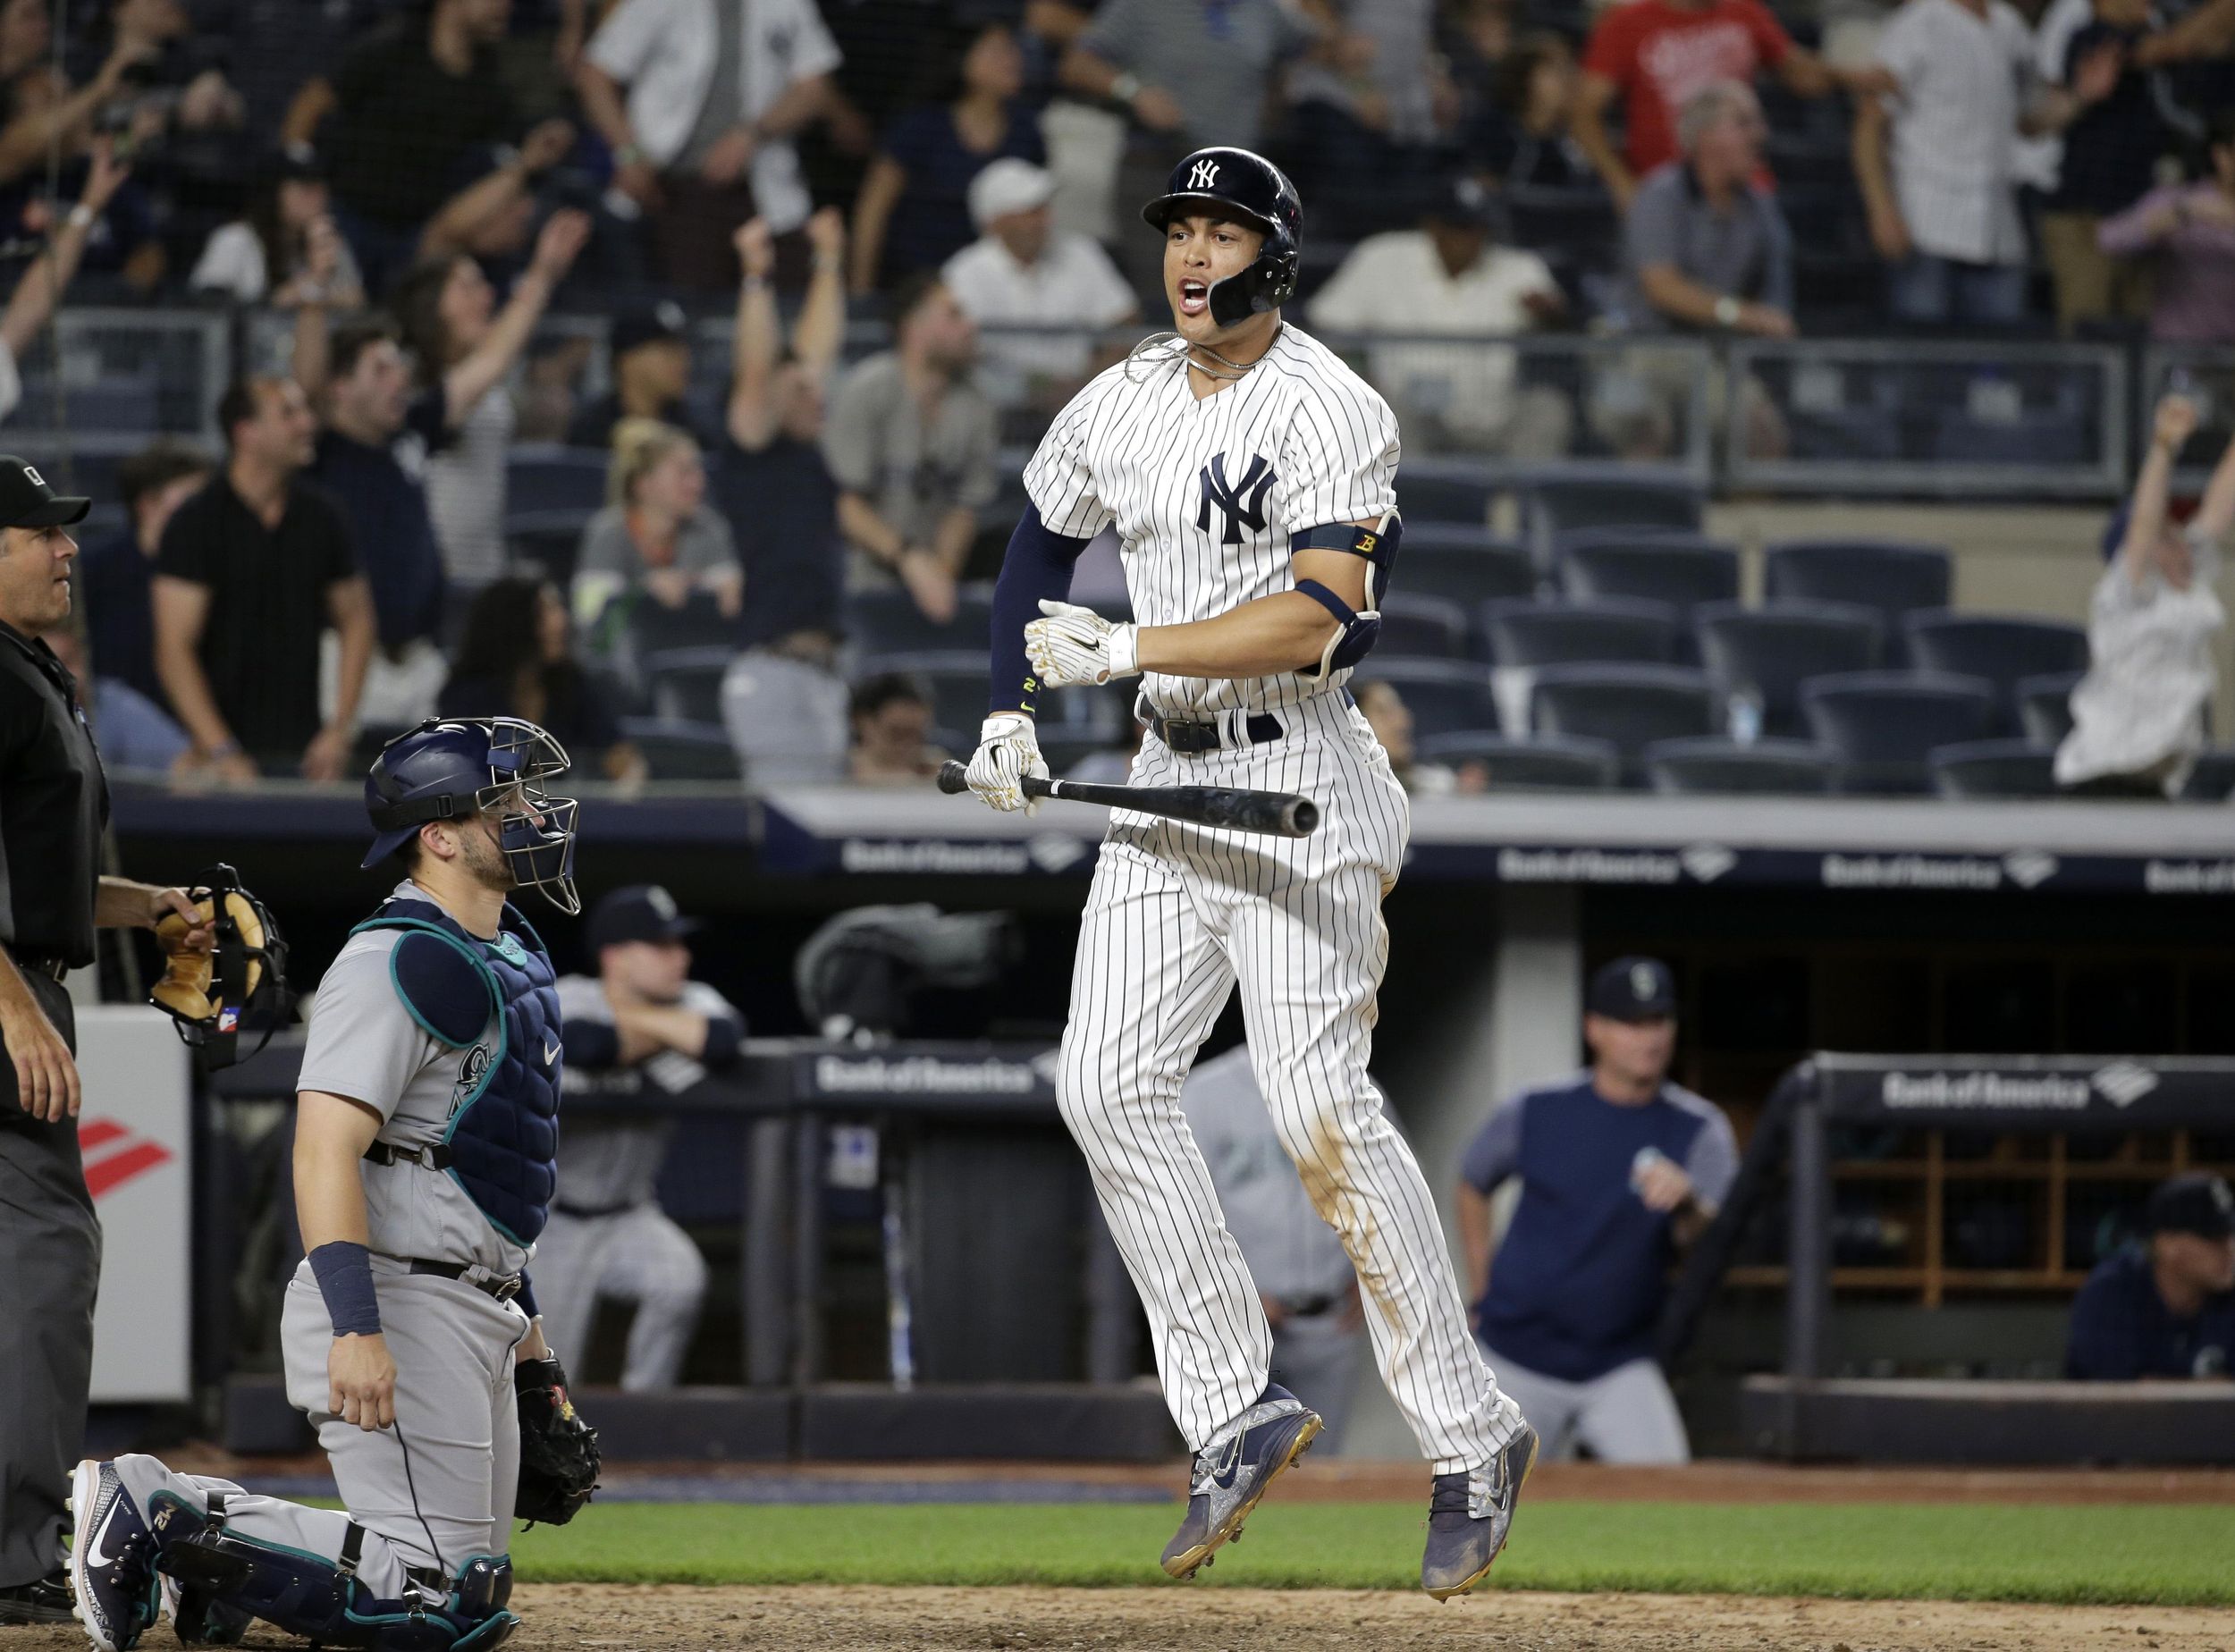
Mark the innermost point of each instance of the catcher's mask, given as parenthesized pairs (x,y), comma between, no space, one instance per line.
(207,994)
(452,767)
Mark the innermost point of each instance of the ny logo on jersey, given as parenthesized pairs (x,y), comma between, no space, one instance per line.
(1244,501)
(1204,175)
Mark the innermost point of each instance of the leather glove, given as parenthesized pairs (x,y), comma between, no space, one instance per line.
(1009,750)
(1075,646)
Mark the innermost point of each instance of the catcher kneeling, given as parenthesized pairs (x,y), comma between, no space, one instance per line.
(425,1138)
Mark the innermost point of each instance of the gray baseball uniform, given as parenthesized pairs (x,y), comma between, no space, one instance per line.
(607,1236)
(1295,1258)
(436,1488)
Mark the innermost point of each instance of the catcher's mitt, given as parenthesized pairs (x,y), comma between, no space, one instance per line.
(558,1460)
(206,992)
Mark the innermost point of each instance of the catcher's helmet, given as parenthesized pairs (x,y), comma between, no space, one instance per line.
(457,766)
(1254,190)
(208,995)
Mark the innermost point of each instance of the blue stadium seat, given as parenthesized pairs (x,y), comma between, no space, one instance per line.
(2044,706)
(2036,438)
(1616,630)
(549,539)
(676,750)
(655,628)
(1425,628)
(1994,768)
(2212,780)
(1676,568)
(1445,697)
(685,684)
(882,622)
(546,476)
(1764,653)
(1543,763)
(1890,577)
(1463,565)
(1882,725)
(1630,706)
(1455,491)
(1560,500)
(1717,767)
(1998,649)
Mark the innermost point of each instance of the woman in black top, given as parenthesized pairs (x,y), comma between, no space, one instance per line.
(515,660)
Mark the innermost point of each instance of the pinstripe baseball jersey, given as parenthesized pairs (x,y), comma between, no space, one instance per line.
(1204,493)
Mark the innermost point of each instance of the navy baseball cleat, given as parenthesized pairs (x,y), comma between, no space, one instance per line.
(1469,1515)
(111,1558)
(1234,1471)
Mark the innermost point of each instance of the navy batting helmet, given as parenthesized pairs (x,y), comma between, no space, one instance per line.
(447,769)
(1248,187)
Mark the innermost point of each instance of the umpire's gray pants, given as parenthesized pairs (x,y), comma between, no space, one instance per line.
(50,1264)
(1627,1416)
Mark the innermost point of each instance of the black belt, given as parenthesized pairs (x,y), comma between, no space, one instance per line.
(590,1213)
(435,1156)
(504,1287)
(40,963)
(1308,1307)
(1191,738)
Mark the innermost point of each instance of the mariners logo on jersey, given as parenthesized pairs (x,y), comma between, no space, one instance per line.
(470,1074)
(1243,502)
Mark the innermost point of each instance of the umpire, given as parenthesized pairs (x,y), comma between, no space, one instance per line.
(53,806)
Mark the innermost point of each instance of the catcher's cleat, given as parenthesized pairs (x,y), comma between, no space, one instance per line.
(1469,1514)
(1233,1472)
(42,1600)
(111,1558)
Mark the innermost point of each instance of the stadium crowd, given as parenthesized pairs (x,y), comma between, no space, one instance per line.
(780,544)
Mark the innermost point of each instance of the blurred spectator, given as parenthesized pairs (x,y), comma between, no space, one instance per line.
(715,91)
(1022,272)
(891,717)
(1525,139)
(252,569)
(1656,55)
(1704,249)
(1303,1274)
(1477,38)
(640,1023)
(515,658)
(770,480)
(490,217)
(1619,1171)
(41,115)
(656,534)
(265,258)
(135,732)
(1364,107)
(2186,233)
(1936,156)
(47,276)
(911,442)
(407,119)
(466,347)
(1391,720)
(116,575)
(911,215)
(1450,279)
(652,376)
(1191,74)
(2164,1307)
(2137,716)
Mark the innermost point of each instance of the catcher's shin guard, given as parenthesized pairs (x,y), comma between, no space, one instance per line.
(227,1576)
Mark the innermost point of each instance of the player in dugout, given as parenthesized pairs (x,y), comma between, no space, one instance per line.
(2164,1307)
(1619,1169)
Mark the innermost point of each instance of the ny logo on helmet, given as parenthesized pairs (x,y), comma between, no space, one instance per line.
(1203,176)
(1244,502)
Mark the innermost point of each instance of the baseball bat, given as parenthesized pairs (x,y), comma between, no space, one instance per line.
(1277,814)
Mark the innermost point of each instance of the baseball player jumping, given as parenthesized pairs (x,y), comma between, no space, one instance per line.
(1249,474)
(425,1133)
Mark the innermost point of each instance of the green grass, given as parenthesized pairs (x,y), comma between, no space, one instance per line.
(2095,1554)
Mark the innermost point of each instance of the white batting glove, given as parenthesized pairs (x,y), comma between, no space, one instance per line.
(1075,646)
(1009,750)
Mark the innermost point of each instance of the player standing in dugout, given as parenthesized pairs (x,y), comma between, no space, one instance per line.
(53,807)
(1250,475)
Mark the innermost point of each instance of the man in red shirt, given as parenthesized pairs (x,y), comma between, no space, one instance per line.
(1656,53)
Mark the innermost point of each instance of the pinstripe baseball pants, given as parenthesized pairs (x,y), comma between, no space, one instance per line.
(1179,916)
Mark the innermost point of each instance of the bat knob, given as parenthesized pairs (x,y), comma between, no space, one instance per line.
(953,777)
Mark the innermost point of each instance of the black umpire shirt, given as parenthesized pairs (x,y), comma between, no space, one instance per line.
(54,803)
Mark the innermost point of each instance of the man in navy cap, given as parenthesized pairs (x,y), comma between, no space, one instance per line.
(1618,1169)
(640,1023)
(2164,1307)
(651,377)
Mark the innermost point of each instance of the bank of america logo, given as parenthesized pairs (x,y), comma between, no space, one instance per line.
(115,1155)
(2124,1083)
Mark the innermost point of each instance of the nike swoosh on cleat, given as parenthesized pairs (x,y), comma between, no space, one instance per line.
(94,1556)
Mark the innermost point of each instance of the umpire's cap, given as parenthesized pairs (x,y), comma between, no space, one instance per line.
(1248,187)
(26,500)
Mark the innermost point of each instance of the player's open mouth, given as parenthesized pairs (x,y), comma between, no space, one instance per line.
(1195,298)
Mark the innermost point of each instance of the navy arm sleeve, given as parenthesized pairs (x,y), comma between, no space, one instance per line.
(1036,568)
(725,1041)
